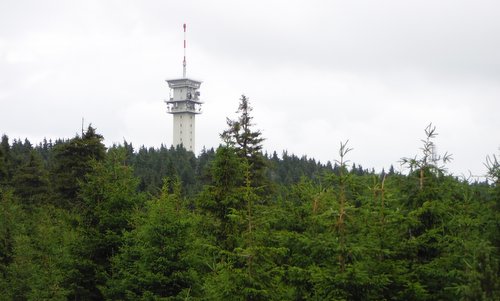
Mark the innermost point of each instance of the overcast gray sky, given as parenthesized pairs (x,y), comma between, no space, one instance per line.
(316,73)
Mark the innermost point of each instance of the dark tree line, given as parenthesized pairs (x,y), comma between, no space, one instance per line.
(79,221)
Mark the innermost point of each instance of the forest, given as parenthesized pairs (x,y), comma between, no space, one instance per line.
(82,221)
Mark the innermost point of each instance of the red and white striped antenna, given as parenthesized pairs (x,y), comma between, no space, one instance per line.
(184,62)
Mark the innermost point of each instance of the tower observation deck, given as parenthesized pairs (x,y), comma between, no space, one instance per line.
(184,104)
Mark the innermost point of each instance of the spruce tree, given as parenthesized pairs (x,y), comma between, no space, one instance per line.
(31,182)
(4,147)
(156,260)
(245,140)
(223,196)
(72,162)
(108,197)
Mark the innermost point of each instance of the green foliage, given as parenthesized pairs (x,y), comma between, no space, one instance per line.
(156,261)
(493,169)
(222,198)
(31,181)
(213,230)
(151,166)
(4,151)
(72,162)
(428,165)
(109,197)
(10,213)
(34,251)
(246,141)
(240,135)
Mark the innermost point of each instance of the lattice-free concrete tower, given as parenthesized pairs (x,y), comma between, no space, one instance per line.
(184,104)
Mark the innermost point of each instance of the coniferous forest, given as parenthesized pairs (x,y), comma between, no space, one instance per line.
(82,221)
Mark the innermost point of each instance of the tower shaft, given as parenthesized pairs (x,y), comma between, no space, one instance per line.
(184,130)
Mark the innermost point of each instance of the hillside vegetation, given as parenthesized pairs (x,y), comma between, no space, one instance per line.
(79,221)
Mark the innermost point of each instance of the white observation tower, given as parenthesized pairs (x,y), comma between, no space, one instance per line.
(184,104)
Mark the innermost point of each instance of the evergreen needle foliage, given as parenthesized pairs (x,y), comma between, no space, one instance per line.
(82,222)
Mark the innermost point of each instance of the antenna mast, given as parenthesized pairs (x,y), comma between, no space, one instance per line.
(184,62)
